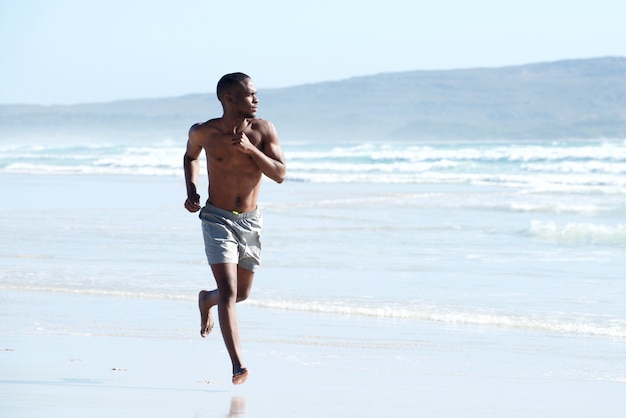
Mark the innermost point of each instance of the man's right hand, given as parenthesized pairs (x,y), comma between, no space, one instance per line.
(192,204)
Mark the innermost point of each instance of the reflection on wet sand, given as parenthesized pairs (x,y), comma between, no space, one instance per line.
(237,407)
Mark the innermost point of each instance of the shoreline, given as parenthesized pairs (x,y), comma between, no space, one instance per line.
(148,359)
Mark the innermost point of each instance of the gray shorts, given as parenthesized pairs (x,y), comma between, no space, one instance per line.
(232,237)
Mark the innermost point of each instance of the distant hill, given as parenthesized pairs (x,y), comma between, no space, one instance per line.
(566,99)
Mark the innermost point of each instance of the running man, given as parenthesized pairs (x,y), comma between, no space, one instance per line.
(239,150)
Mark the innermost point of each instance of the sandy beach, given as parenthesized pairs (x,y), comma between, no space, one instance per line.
(128,357)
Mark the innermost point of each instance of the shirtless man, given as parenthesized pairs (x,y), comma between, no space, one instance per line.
(239,149)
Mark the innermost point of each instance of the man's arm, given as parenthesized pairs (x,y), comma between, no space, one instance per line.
(270,158)
(191,165)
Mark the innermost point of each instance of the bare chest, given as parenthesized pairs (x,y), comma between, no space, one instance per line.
(221,154)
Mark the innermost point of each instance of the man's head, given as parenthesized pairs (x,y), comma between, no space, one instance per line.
(237,94)
(229,82)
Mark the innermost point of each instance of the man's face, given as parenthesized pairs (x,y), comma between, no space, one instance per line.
(245,100)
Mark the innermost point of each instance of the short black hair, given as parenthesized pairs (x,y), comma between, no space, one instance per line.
(228,81)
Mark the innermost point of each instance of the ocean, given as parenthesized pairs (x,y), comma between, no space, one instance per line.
(499,244)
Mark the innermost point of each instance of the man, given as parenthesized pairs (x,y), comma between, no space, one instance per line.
(239,149)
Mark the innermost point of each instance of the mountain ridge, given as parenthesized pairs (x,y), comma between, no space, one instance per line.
(581,98)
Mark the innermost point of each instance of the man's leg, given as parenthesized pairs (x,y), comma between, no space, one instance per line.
(233,285)
(207,299)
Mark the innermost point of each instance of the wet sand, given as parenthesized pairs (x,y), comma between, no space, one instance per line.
(65,355)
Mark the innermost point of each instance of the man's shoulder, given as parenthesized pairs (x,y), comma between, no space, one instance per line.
(259,122)
(211,124)
(264,126)
(204,130)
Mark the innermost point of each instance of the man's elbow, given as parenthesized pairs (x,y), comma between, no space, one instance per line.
(279,179)
(280,175)
(190,162)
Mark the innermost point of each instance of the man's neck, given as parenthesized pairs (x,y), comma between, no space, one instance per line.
(233,124)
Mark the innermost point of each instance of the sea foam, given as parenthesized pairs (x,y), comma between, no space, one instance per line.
(574,324)
(580,232)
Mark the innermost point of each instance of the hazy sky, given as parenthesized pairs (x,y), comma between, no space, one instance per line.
(76,51)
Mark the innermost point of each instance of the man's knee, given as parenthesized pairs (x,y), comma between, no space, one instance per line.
(242,294)
(227,291)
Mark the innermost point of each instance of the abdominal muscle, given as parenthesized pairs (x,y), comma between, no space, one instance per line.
(234,191)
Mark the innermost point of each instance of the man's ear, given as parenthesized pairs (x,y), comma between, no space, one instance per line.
(228,97)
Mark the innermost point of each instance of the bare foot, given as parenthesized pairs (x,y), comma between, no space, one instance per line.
(240,376)
(206,318)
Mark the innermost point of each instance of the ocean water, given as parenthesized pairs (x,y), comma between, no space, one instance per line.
(502,236)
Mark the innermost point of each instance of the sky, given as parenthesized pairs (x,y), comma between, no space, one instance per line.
(82,51)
